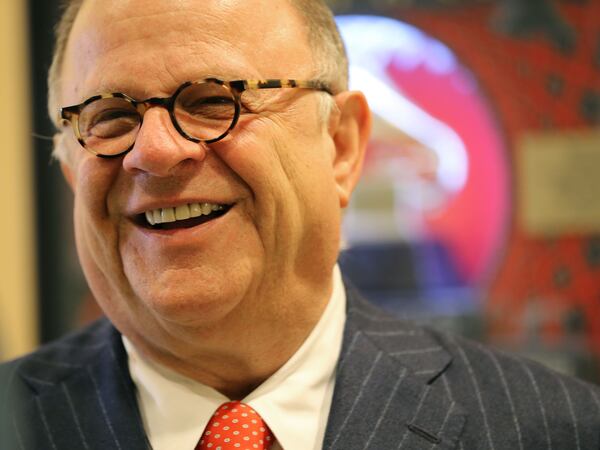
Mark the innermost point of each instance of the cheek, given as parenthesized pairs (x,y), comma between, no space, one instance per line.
(291,177)
(276,160)
(287,164)
(96,230)
(94,178)
(308,170)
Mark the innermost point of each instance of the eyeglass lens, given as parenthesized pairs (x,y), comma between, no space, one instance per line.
(109,125)
(204,111)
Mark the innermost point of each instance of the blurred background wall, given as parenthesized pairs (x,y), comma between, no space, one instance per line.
(510,254)
(479,206)
(18,287)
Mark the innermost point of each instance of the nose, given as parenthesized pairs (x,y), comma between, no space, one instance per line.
(159,149)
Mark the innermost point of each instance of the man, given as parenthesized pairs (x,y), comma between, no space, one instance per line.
(207,218)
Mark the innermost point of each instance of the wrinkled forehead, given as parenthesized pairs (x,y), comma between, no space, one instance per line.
(166,42)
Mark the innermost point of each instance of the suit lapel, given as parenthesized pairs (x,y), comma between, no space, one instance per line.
(88,406)
(389,390)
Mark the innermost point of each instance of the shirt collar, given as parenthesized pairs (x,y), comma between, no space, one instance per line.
(294,401)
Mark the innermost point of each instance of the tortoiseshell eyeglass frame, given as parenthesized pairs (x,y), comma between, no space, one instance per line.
(70,114)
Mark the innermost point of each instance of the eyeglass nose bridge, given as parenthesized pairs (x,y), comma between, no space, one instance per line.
(143,106)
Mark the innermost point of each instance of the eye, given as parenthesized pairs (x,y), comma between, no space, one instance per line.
(208,105)
(207,108)
(108,118)
(113,114)
(112,123)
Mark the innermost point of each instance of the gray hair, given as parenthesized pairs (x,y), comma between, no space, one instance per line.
(329,54)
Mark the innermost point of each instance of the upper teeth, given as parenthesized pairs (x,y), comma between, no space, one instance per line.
(181,212)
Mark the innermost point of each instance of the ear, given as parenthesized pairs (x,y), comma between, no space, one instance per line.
(349,127)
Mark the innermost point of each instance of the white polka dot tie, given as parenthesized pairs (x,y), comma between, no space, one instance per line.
(236,426)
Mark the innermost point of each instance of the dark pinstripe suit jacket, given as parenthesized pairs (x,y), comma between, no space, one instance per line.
(399,386)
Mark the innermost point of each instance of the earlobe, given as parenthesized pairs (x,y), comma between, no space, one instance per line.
(350,133)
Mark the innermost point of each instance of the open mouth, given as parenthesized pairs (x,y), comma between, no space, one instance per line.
(182,216)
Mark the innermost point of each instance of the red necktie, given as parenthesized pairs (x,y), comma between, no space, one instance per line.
(236,426)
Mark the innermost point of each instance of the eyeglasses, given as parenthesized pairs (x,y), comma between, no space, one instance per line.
(107,125)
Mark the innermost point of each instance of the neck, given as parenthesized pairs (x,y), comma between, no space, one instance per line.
(237,357)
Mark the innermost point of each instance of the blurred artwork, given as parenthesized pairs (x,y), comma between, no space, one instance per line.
(558,182)
(422,194)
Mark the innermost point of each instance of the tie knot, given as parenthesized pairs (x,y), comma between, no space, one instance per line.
(236,426)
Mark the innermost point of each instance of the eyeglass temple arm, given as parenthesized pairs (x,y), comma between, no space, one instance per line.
(242,85)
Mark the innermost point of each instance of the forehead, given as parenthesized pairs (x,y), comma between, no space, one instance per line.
(149,47)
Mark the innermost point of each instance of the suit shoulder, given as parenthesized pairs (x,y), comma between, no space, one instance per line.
(538,404)
(62,355)
(474,357)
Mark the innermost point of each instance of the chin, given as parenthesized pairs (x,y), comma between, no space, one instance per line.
(188,307)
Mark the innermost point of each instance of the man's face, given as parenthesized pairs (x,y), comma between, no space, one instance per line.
(274,172)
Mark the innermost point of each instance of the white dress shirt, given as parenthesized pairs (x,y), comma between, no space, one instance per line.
(294,401)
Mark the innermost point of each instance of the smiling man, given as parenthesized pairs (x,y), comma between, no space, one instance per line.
(206,295)
(211,147)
